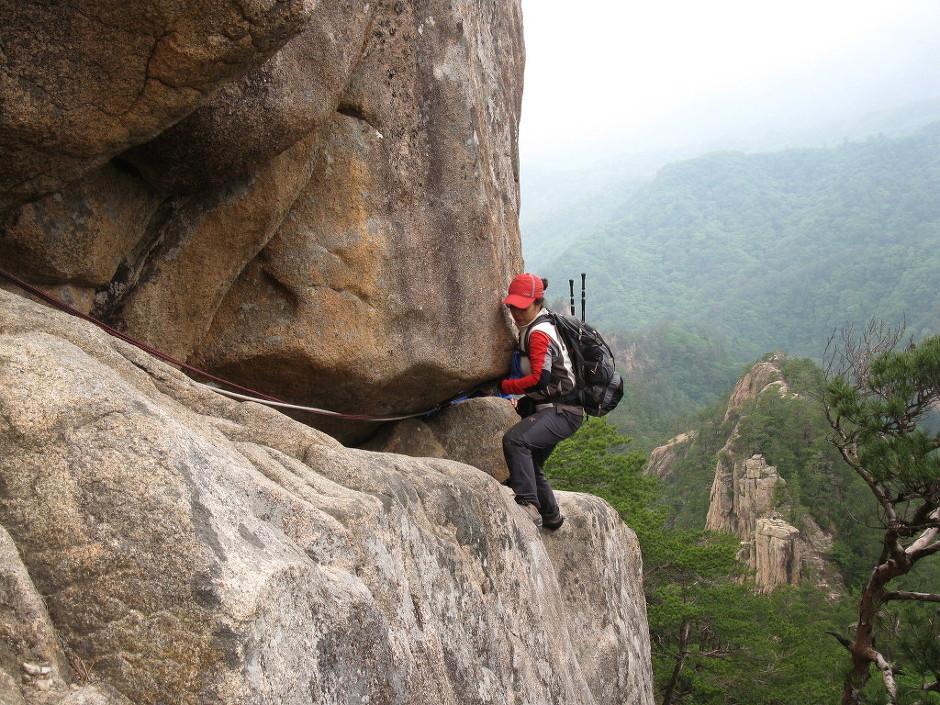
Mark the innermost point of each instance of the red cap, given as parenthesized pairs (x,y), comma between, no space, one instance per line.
(524,289)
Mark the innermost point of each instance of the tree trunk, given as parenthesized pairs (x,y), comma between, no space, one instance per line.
(862,648)
(670,694)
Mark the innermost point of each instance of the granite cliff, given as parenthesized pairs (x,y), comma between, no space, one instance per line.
(160,543)
(747,498)
(322,201)
(319,200)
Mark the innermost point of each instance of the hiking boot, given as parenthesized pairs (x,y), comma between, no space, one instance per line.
(533,513)
(554,521)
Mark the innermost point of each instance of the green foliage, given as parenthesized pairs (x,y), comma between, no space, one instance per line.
(914,640)
(597,458)
(884,411)
(764,649)
(669,374)
(742,648)
(876,406)
(773,251)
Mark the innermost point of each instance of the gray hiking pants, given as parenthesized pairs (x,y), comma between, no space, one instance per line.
(527,446)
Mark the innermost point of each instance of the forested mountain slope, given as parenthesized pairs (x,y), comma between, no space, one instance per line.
(774,250)
(669,373)
(755,490)
(759,465)
(563,205)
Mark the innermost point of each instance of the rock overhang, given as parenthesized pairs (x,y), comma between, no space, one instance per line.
(334,203)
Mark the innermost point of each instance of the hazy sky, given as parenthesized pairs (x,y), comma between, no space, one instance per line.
(635,76)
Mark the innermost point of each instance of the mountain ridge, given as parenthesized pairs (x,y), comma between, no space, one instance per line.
(773,251)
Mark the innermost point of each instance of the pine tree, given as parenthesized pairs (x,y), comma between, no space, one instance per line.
(877,400)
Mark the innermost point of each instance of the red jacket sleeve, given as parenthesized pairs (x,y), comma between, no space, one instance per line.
(538,345)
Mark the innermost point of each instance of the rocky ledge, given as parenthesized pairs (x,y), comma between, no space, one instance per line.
(162,544)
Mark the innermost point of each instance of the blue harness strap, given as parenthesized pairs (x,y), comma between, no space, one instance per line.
(515,372)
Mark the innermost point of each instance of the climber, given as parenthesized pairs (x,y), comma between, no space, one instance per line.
(549,403)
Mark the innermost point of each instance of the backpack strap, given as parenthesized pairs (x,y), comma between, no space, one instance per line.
(546,323)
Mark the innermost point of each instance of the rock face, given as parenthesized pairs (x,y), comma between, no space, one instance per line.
(776,553)
(33,664)
(662,460)
(319,202)
(742,492)
(743,503)
(761,376)
(470,433)
(81,83)
(745,500)
(169,545)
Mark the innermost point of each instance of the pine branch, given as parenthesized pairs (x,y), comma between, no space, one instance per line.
(716,653)
(922,517)
(873,485)
(911,529)
(894,548)
(887,674)
(905,595)
(926,543)
(929,551)
(841,639)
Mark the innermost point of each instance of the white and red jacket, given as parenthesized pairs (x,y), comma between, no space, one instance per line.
(549,374)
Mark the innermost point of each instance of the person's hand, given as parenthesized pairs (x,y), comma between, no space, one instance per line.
(514,401)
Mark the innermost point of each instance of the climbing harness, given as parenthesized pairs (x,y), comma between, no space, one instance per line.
(244,393)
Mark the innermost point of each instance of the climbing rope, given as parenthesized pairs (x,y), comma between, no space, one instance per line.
(244,393)
(324,412)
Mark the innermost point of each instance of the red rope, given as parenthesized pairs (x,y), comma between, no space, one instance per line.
(62,306)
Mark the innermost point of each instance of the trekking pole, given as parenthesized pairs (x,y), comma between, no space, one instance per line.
(583,276)
(571,286)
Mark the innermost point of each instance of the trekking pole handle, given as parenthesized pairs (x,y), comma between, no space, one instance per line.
(583,295)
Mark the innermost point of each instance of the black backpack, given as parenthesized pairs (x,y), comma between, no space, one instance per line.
(600,388)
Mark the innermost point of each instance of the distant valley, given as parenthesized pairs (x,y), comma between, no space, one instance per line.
(773,251)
